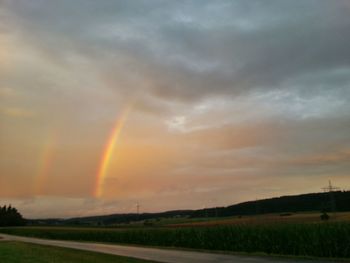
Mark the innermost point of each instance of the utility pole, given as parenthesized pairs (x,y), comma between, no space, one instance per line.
(137,211)
(137,208)
(331,189)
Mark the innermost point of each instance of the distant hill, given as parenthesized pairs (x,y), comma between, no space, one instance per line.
(283,204)
(111,219)
(339,201)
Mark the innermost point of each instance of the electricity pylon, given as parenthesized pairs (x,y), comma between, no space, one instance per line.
(330,189)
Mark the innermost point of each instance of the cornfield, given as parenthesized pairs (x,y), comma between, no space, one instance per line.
(331,240)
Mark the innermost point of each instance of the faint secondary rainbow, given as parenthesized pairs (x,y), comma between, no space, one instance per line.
(45,164)
(109,150)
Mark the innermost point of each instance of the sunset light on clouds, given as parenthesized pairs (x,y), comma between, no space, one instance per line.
(170,104)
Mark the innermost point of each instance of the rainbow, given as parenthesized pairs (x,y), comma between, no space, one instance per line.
(109,150)
(45,164)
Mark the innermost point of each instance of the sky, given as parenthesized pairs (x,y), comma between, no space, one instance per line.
(170,104)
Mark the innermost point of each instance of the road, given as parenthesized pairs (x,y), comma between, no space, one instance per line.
(154,254)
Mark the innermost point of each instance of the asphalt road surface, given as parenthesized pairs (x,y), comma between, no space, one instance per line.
(154,254)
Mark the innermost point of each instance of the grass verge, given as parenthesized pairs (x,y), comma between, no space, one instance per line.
(18,252)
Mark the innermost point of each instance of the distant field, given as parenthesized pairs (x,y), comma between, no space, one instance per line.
(326,239)
(17,252)
(259,219)
(301,217)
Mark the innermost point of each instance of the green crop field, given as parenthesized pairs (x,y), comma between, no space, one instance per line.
(329,240)
(17,252)
(303,217)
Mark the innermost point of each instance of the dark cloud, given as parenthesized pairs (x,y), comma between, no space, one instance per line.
(187,50)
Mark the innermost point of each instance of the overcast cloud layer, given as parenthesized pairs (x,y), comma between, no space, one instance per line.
(231,101)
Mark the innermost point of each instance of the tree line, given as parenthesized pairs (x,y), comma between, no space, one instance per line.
(9,216)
